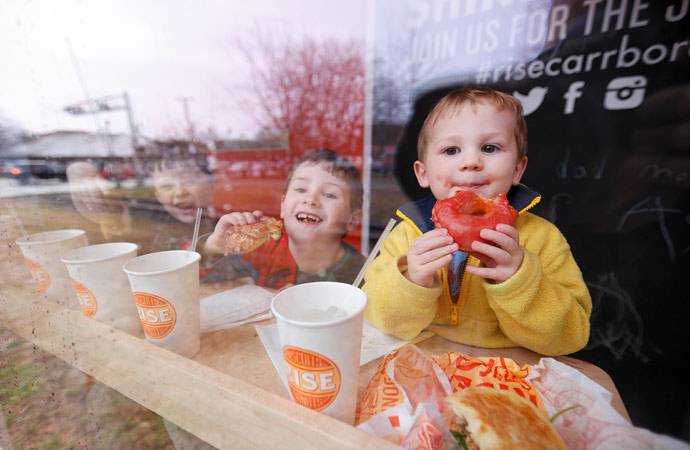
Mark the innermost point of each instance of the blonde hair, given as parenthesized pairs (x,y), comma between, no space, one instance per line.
(456,98)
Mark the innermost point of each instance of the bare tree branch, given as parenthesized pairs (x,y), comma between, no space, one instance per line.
(312,88)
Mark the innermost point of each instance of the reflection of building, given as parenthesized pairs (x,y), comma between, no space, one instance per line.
(253,162)
(47,155)
(250,178)
(72,145)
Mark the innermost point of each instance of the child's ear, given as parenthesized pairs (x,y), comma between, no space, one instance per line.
(282,206)
(519,170)
(420,173)
(355,220)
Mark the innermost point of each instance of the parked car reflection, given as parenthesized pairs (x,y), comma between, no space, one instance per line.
(23,170)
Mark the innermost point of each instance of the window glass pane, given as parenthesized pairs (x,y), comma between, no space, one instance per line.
(169,171)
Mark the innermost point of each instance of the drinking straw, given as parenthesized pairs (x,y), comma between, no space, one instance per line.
(197,222)
(374,252)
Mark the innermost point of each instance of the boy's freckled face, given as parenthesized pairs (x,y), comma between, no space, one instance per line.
(316,204)
(471,148)
(181,190)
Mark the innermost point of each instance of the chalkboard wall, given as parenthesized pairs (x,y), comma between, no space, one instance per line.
(608,113)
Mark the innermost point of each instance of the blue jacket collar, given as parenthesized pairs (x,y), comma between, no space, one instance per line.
(418,213)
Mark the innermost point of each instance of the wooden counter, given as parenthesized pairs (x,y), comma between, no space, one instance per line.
(239,350)
(229,394)
(235,409)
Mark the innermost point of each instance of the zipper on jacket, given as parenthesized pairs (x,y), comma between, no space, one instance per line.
(454,312)
(455,298)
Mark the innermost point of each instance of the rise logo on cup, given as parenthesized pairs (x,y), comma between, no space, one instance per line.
(314,380)
(39,274)
(158,316)
(87,300)
(320,329)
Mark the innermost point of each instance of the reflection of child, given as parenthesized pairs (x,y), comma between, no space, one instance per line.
(181,186)
(524,290)
(321,203)
(182,183)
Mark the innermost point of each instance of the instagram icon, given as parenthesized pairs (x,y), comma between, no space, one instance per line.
(625,92)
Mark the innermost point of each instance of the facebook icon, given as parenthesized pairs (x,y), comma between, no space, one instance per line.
(572,94)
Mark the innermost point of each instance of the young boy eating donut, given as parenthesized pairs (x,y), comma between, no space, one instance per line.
(322,202)
(521,287)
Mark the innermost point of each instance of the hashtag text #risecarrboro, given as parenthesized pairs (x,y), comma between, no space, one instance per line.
(625,56)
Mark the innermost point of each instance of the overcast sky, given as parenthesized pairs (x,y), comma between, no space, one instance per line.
(158,51)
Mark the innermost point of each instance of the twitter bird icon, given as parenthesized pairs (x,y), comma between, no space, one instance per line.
(533,100)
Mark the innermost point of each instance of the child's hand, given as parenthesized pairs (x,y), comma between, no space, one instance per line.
(501,260)
(216,242)
(429,253)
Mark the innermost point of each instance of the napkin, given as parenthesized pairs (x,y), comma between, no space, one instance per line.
(245,304)
(594,424)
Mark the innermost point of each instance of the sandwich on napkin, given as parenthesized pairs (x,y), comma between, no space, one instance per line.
(492,419)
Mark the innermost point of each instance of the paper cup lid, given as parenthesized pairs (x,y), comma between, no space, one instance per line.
(160,262)
(289,300)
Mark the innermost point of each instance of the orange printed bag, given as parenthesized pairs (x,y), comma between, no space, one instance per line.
(406,376)
(496,372)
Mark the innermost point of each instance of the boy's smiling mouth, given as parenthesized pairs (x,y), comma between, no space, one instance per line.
(304,217)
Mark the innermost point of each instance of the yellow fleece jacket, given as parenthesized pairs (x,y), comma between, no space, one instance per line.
(545,306)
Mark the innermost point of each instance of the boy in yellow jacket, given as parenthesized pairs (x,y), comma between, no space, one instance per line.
(523,289)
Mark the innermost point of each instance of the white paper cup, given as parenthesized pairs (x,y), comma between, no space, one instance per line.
(320,328)
(42,253)
(101,286)
(166,292)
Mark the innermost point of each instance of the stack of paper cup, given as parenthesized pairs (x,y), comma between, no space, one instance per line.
(42,253)
(101,286)
(320,328)
(166,291)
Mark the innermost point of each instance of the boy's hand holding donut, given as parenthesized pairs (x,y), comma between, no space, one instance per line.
(427,255)
(502,257)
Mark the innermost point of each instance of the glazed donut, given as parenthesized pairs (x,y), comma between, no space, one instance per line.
(465,214)
(245,238)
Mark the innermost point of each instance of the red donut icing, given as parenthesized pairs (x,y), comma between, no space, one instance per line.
(465,214)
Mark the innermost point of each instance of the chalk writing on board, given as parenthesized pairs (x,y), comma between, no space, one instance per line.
(659,173)
(622,330)
(653,205)
(567,169)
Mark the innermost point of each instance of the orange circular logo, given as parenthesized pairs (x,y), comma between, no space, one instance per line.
(157,315)
(314,380)
(87,300)
(40,275)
